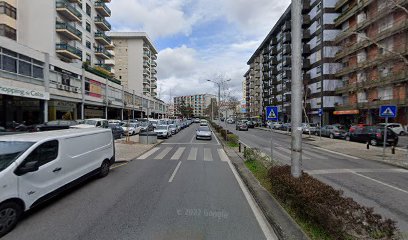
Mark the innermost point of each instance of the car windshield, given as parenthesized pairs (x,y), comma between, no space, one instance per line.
(203,129)
(10,151)
(129,125)
(172,125)
(90,122)
(161,127)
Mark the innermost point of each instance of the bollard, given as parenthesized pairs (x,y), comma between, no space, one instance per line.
(239,146)
(244,150)
(368,145)
(393,149)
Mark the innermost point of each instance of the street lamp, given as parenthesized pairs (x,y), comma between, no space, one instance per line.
(219,92)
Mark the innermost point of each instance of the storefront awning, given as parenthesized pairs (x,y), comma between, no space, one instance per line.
(346,112)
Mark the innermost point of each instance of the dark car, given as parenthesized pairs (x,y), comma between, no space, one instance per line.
(332,131)
(56,125)
(286,127)
(241,126)
(373,135)
(250,124)
(117,131)
(146,126)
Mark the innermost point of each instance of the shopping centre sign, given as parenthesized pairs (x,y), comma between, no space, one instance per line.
(22,92)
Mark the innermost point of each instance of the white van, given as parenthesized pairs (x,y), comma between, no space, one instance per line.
(37,166)
(93,122)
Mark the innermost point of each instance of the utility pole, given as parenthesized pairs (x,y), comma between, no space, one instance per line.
(297,83)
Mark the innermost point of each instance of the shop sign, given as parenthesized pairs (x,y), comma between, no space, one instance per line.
(346,112)
(22,92)
(95,88)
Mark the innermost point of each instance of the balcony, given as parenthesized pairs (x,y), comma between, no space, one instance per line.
(154,71)
(146,64)
(306,78)
(146,81)
(146,90)
(306,35)
(305,20)
(102,53)
(286,26)
(274,61)
(68,10)
(273,42)
(351,11)
(146,73)
(154,78)
(286,49)
(154,85)
(102,38)
(68,51)
(274,51)
(287,74)
(102,9)
(154,57)
(306,49)
(154,94)
(154,64)
(110,62)
(286,37)
(104,66)
(306,6)
(102,24)
(110,46)
(74,1)
(274,71)
(68,31)
(287,61)
(306,64)
(340,4)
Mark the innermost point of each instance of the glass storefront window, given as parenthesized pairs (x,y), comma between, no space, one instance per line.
(17,63)
(9,64)
(24,68)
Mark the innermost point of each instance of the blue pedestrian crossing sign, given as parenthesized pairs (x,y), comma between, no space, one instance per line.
(320,112)
(388,111)
(272,113)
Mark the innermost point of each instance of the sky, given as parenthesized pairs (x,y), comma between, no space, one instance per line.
(199,39)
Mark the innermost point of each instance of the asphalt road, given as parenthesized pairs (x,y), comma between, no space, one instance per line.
(182,189)
(370,183)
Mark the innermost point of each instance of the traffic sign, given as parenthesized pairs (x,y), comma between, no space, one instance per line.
(388,111)
(320,112)
(272,113)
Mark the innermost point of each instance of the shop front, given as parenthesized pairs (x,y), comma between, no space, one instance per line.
(114,113)
(62,110)
(94,111)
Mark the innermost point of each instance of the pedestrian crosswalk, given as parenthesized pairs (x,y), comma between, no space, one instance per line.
(187,153)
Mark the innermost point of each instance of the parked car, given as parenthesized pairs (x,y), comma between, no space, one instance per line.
(275,125)
(37,166)
(250,124)
(56,125)
(203,132)
(309,128)
(356,126)
(154,123)
(163,131)
(395,127)
(222,119)
(173,129)
(240,125)
(131,128)
(93,122)
(373,135)
(196,120)
(114,121)
(147,126)
(203,123)
(332,131)
(230,121)
(286,127)
(117,131)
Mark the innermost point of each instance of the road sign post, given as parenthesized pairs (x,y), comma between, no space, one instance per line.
(386,112)
(320,128)
(272,114)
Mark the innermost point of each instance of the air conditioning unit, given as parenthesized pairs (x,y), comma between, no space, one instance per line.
(67,88)
(60,86)
(74,89)
(104,101)
(109,102)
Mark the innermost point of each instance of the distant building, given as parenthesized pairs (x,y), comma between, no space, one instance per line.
(198,103)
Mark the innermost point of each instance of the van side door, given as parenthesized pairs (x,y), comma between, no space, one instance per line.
(48,176)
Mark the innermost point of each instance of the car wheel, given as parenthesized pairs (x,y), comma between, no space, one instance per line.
(104,170)
(348,138)
(402,133)
(373,142)
(331,135)
(10,213)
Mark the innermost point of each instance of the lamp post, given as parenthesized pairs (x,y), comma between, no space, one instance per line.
(219,92)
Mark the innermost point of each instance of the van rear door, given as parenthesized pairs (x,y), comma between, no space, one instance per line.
(48,177)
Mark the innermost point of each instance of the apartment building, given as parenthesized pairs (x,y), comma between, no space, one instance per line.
(135,62)
(253,78)
(373,58)
(198,103)
(8,19)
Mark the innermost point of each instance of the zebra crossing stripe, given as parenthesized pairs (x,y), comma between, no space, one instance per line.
(223,155)
(146,155)
(207,154)
(163,153)
(193,154)
(178,153)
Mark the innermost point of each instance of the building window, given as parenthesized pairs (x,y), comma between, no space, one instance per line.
(88,44)
(88,27)
(8,32)
(319,70)
(319,6)
(88,58)
(88,10)
(8,9)
(21,64)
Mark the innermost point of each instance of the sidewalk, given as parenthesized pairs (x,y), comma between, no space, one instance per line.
(400,158)
(126,152)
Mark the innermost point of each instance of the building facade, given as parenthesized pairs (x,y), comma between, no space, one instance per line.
(135,62)
(373,58)
(198,103)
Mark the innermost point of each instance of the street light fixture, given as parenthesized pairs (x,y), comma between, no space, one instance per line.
(219,92)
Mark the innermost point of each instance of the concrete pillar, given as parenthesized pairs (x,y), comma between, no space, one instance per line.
(46,84)
(82,110)
(45,110)
(121,112)
(83,94)
(106,112)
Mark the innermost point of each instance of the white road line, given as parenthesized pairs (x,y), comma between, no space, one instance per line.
(146,155)
(189,144)
(290,152)
(193,154)
(163,153)
(178,153)
(383,183)
(218,142)
(175,171)
(207,154)
(341,154)
(223,155)
(356,170)
(192,139)
(266,229)
(314,155)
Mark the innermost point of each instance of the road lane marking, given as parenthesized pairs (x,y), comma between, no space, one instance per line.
(266,229)
(288,151)
(314,155)
(223,155)
(146,155)
(178,153)
(174,172)
(213,144)
(341,154)
(207,154)
(163,153)
(193,154)
(192,139)
(383,183)
(119,165)
(218,142)
(356,170)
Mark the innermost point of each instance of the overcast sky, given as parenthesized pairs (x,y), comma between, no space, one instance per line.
(199,39)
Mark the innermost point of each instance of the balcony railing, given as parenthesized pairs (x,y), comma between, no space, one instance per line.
(102,38)
(68,51)
(68,10)
(102,9)
(101,23)
(102,53)
(351,11)
(305,6)
(305,20)
(68,31)
(104,66)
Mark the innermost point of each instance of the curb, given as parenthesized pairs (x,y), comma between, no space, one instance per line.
(127,161)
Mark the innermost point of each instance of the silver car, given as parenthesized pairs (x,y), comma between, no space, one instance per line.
(203,132)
